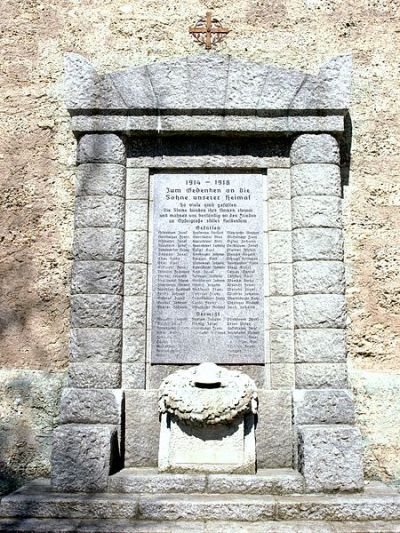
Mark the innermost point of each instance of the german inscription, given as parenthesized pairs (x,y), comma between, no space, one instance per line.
(208,292)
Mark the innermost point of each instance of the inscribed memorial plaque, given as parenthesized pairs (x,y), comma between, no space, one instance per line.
(207,291)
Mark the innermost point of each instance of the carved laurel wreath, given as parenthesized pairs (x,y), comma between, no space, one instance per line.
(179,396)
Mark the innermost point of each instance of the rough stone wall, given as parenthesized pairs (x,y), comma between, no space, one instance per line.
(37,153)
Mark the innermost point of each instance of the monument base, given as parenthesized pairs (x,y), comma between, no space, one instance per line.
(210,507)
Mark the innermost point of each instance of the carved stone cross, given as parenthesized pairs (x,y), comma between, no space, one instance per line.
(208,31)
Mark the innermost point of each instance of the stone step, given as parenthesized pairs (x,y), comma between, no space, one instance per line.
(33,525)
(377,502)
(149,481)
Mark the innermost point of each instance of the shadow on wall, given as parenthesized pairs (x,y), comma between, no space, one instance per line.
(29,403)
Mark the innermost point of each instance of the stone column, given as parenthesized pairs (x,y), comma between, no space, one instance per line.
(85,446)
(330,456)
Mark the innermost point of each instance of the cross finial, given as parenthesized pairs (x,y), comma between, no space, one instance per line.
(208,31)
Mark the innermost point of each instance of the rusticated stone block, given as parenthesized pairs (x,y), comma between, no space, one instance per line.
(96,311)
(279,247)
(134,375)
(136,215)
(319,311)
(322,277)
(312,148)
(134,347)
(97,277)
(320,345)
(274,434)
(317,212)
(135,312)
(321,375)
(137,183)
(90,406)
(101,148)
(99,212)
(279,215)
(95,345)
(280,312)
(282,376)
(281,346)
(82,457)
(334,406)
(317,243)
(312,179)
(99,244)
(135,279)
(330,458)
(278,183)
(280,279)
(97,179)
(142,430)
(136,246)
(94,375)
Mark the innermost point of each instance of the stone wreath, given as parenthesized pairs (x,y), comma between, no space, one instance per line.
(207,395)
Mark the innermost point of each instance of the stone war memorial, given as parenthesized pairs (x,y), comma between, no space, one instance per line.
(207,382)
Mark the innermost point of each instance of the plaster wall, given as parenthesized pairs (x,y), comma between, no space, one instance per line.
(37,157)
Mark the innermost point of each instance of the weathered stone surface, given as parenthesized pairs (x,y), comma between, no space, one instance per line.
(282,376)
(142,430)
(330,458)
(99,244)
(134,345)
(278,183)
(96,345)
(92,507)
(319,311)
(274,442)
(137,184)
(315,179)
(207,507)
(82,457)
(279,247)
(333,406)
(94,375)
(133,375)
(135,283)
(280,312)
(281,346)
(97,277)
(330,89)
(149,481)
(321,375)
(317,243)
(99,211)
(279,215)
(310,148)
(320,345)
(97,179)
(136,215)
(280,279)
(273,481)
(318,277)
(317,212)
(96,311)
(101,148)
(90,406)
(237,84)
(134,312)
(136,246)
